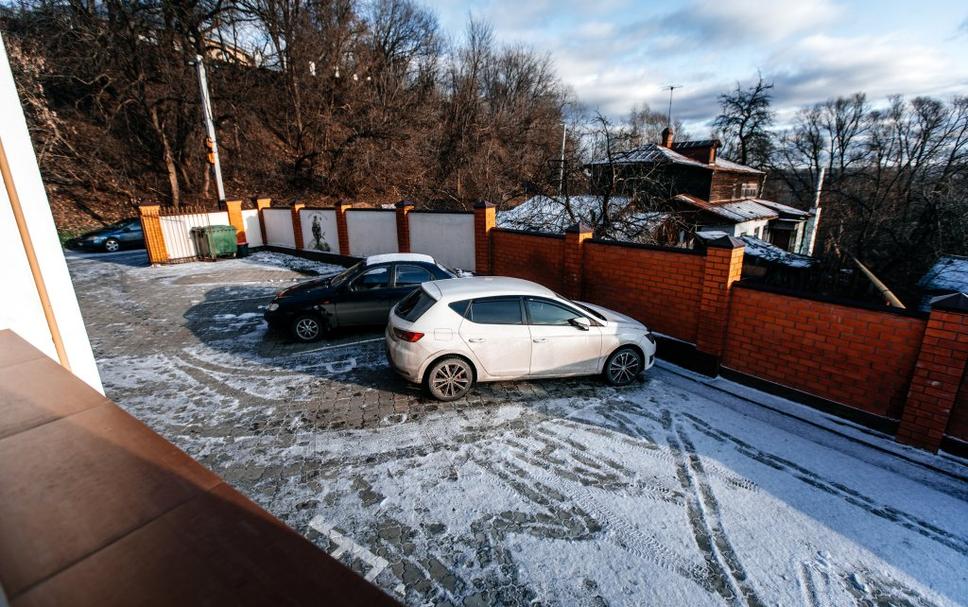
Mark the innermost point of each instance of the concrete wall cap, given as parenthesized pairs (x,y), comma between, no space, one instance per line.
(404,204)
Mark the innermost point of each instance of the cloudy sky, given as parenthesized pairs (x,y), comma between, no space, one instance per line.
(616,53)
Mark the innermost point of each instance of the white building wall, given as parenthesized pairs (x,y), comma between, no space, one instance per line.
(253,231)
(20,307)
(279,228)
(448,237)
(371,232)
(324,221)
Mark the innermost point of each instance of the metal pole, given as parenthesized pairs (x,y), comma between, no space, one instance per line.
(561,169)
(210,127)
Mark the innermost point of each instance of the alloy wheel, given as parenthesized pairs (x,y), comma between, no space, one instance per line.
(112,245)
(307,329)
(623,367)
(451,379)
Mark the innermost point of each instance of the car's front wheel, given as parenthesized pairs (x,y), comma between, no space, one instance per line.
(111,245)
(307,327)
(623,366)
(450,378)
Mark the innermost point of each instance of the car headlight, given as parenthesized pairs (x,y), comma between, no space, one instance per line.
(650,337)
(272,307)
(97,239)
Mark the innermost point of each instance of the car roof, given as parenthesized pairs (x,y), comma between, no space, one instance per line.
(484,286)
(388,257)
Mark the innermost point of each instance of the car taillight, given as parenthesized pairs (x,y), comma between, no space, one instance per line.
(410,336)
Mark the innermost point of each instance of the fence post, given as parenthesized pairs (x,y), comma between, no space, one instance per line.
(261,204)
(723,266)
(154,237)
(234,208)
(297,234)
(937,374)
(484,221)
(403,225)
(341,229)
(572,264)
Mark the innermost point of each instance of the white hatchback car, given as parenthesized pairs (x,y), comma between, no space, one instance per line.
(449,334)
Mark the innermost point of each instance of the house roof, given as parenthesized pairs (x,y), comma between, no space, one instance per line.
(697,143)
(785,211)
(547,214)
(733,212)
(948,274)
(654,153)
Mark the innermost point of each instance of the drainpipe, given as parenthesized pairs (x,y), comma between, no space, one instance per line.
(813,222)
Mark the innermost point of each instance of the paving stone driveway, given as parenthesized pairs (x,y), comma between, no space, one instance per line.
(556,492)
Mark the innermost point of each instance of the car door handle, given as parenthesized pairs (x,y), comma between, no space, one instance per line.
(476,340)
(540,340)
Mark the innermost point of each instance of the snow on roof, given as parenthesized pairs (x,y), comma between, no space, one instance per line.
(771,253)
(547,214)
(948,274)
(734,212)
(698,143)
(387,257)
(654,153)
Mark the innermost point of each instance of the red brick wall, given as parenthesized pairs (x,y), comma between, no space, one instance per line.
(857,357)
(536,258)
(660,288)
(958,422)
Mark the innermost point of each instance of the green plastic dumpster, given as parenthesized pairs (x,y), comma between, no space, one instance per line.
(212,242)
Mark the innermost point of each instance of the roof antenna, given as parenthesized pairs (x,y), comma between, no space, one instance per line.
(670,88)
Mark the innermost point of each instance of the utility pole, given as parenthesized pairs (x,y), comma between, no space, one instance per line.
(561,169)
(671,88)
(211,140)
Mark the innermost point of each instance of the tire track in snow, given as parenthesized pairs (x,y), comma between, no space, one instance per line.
(851,496)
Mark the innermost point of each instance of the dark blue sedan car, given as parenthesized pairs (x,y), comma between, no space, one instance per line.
(125,234)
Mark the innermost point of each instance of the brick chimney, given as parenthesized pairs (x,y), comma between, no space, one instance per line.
(668,136)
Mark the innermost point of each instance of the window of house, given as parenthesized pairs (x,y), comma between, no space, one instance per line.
(496,311)
(749,190)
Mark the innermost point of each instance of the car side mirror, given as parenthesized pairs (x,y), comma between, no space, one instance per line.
(580,322)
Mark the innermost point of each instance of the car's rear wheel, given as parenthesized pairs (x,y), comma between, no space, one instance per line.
(111,245)
(623,366)
(307,327)
(450,378)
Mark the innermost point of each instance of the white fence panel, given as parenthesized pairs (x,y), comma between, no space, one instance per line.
(253,231)
(319,231)
(371,232)
(279,228)
(448,237)
(176,230)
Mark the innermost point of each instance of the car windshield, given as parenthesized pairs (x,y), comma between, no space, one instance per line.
(342,276)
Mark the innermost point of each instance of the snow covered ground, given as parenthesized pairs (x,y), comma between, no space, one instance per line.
(670,492)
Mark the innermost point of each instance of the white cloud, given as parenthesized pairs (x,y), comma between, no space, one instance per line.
(750,21)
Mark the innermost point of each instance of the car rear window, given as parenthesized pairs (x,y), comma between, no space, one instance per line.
(414,305)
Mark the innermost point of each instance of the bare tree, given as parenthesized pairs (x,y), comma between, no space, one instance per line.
(744,121)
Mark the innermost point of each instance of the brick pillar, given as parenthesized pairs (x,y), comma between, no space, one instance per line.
(234,208)
(262,204)
(154,238)
(723,266)
(341,229)
(572,263)
(484,221)
(297,224)
(403,225)
(937,374)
